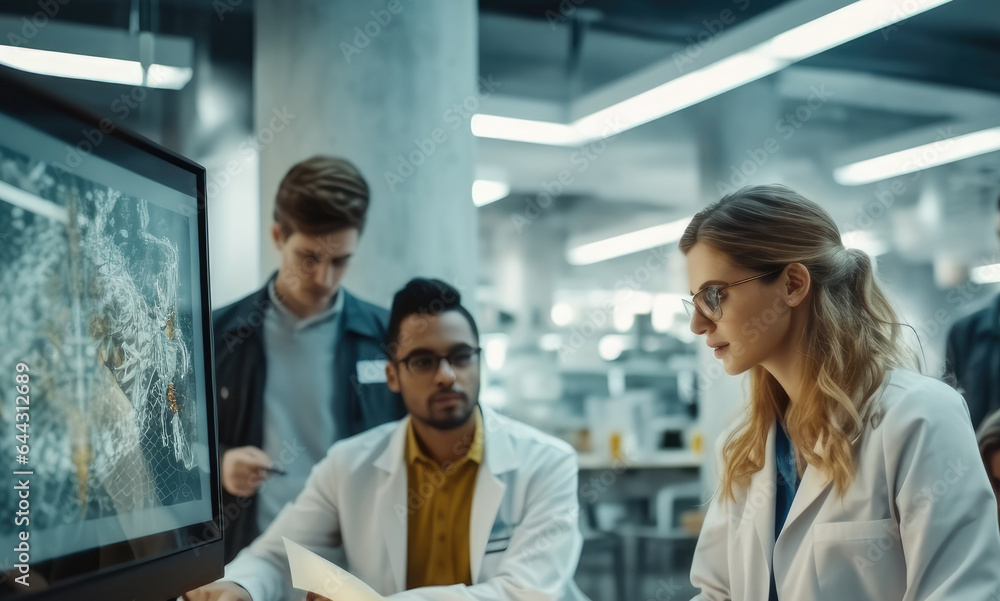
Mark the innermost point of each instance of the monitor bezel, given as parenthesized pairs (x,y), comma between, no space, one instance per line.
(198,558)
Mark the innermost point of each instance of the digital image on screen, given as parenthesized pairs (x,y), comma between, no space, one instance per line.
(101,303)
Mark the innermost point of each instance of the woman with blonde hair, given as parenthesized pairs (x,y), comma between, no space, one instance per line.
(989,449)
(850,476)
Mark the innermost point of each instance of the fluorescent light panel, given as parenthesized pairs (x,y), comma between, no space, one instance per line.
(30,202)
(495,350)
(919,157)
(94,68)
(611,346)
(842,25)
(485,191)
(562,314)
(167,77)
(550,342)
(666,308)
(866,241)
(687,90)
(626,244)
(525,130)
(76,66)
(803,41)
(987,274)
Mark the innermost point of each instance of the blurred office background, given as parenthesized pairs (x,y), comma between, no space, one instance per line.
(544,156)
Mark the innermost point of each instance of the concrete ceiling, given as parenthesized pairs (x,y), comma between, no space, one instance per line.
(930,69)
(926,70)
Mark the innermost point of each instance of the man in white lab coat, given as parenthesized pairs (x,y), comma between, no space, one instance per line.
(453,502)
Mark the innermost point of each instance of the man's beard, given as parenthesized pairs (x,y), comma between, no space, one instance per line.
(451,422)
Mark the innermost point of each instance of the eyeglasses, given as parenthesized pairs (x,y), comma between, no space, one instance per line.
(709,299)
(423,364)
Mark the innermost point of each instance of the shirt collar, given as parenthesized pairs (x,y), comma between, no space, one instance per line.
(293,321)
(415,450)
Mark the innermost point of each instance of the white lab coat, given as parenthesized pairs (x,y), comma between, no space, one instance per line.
(524,535)
(919,521)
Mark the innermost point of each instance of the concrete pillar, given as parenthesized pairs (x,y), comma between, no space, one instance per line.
(526,276)
(391,85)
(734,151)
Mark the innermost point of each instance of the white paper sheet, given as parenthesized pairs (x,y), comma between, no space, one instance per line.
(312,573)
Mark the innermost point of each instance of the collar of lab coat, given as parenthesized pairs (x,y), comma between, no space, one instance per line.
(759,508)
(498,449)
(815,486)
(391,497)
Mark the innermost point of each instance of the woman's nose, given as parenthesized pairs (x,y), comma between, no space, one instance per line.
(700,324)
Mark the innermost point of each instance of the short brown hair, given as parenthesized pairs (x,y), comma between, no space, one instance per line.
(321,194)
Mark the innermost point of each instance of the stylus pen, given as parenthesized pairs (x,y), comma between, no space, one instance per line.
(275,470)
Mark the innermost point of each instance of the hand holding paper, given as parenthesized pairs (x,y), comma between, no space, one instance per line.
(313,574)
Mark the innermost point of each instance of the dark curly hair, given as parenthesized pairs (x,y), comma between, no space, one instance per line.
(422,296)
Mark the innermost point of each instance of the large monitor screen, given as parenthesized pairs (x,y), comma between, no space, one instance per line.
(105,362)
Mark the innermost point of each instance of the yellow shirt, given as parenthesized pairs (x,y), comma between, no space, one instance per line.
(439,503)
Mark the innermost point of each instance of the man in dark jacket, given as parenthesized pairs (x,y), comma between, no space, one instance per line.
(972,358)
(299,364)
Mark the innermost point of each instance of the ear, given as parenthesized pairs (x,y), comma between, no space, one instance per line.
(392,377)
(798,283)
(277,236)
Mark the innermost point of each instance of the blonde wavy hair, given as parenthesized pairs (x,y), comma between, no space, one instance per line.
(988,437)
(852,338)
